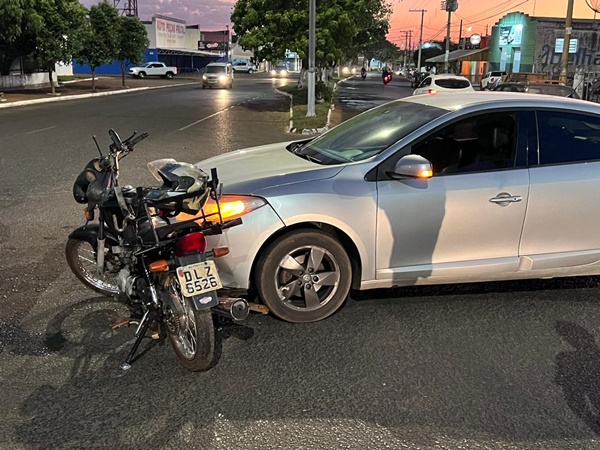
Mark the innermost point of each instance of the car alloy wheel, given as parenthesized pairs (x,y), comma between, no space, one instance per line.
(304,276)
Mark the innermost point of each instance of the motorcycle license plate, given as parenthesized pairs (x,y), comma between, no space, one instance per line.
(198,278)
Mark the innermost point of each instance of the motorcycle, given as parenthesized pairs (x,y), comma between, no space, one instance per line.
(141,253)
(363,73)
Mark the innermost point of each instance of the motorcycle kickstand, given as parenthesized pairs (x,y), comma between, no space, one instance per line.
(140,333)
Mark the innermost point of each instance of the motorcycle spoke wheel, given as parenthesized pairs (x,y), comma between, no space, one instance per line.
(191,332)
(81,257)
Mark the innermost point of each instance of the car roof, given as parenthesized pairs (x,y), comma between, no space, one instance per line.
(456,101)
(447,76)
(218,64)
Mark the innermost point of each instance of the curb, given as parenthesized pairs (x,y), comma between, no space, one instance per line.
(291,128)
(93,94)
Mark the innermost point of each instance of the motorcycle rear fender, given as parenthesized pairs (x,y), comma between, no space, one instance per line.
(89,233)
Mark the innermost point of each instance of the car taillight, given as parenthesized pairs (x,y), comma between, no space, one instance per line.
(432,91)
(193,242)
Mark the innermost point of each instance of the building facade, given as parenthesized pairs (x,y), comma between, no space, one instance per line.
(524,44)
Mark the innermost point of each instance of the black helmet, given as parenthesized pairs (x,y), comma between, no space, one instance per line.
(181,182)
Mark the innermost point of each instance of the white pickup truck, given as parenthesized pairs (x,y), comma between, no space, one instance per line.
(153,68)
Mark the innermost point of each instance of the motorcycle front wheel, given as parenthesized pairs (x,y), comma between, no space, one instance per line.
(191,332)
(81,257)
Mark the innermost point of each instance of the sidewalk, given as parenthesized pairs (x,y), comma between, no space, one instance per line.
(105,85)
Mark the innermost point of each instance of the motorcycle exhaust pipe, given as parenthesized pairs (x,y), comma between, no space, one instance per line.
(232,308)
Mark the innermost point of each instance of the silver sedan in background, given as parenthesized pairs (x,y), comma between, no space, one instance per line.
(424,190)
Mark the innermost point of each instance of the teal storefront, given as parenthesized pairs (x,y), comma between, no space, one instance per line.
(512,46)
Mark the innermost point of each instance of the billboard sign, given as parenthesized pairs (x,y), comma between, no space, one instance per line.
(169,34)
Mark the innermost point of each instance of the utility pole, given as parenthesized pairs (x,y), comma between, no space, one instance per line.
(312,13)
(450,6)
(422,11)
(564,62)
(460,45)
(406,46)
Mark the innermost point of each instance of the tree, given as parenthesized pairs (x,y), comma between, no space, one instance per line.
(133,42)
(100,38)
(384,51)
(20,23)
(60,36)
(270,27)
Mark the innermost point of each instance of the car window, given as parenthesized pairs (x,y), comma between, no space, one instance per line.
(369,133)
(215,69)
(452,83)
(496,74)
(480,143)
(567,137)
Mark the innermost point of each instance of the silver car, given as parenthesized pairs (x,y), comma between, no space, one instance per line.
(420,191)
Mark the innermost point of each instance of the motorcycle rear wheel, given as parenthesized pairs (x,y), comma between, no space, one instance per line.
(81,257)
(192,335)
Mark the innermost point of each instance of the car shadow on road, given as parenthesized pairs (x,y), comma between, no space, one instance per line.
(479,288)
(578,373)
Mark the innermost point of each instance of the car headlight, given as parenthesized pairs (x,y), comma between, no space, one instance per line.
(222,77)
(273,72)
(231,207)
(204,77)
(284,73)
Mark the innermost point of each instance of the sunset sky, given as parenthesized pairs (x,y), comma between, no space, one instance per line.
(214,14)
(474,13)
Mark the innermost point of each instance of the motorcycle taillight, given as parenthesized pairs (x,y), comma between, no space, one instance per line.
(193,242)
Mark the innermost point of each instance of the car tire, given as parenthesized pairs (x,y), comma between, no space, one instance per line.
(304,276)
(141,75)
(250,70)
(169,75)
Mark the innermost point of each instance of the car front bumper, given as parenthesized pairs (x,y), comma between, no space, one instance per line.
(244,242)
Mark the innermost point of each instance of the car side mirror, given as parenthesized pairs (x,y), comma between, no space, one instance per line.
(412,166)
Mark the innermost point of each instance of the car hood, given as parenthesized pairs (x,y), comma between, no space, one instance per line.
(248,171)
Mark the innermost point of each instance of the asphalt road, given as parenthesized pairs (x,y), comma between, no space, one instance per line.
(485,366)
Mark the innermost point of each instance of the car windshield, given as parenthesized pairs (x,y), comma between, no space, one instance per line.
(215,69)
(369,133)
(452,83)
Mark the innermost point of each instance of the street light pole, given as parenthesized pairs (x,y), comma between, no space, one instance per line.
(310,107)
(564,62)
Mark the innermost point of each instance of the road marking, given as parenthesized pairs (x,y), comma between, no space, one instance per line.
(218,112)
(41,129)
(203,119)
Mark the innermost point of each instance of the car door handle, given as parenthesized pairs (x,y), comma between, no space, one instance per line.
(505,197)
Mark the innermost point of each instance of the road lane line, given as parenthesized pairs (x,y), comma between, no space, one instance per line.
(41,129)
(216,114)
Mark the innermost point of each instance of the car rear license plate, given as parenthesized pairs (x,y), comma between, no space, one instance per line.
(198,278)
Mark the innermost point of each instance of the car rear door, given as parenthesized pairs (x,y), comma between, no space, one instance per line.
(465,223)
(563,216)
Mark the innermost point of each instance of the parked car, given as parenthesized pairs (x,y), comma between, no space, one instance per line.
(559,90)
(434,84)
(217,75)
(491,79)
(244,66)
(153,69)
(425,190)
(280,70)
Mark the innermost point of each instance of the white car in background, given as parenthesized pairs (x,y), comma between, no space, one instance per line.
(492,79)
(434,84)
(244,66)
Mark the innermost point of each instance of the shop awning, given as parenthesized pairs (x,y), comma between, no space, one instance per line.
(186,52)
(478,54)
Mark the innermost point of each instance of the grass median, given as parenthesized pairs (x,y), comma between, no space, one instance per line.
(323,92)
